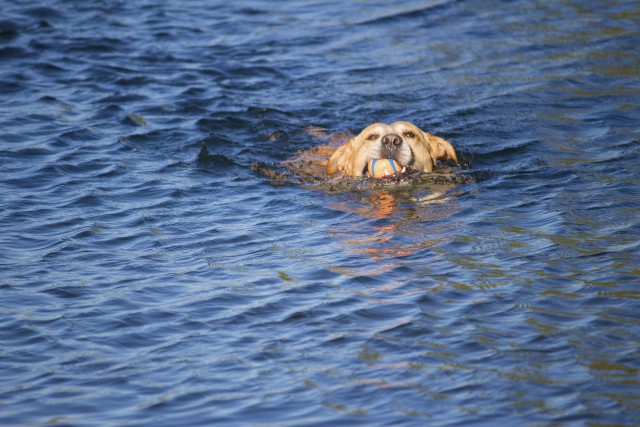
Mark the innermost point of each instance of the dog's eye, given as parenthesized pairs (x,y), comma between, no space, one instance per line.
(410,134)
(372,137)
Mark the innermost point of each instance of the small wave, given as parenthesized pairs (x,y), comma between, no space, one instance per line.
(9,30)
(205,158)
(407,14)
(12,52)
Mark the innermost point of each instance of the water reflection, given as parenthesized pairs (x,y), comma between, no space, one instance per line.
(396,225)
(383,205)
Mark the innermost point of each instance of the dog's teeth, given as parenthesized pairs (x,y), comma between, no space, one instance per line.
(404,169)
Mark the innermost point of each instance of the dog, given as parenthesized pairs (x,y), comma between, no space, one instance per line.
(345,154)
(404,142)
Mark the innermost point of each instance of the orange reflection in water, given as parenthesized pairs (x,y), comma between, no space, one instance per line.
(384,205)
(408,225)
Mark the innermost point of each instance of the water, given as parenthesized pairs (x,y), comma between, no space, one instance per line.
(148,282)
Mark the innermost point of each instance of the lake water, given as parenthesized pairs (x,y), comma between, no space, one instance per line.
(148,281)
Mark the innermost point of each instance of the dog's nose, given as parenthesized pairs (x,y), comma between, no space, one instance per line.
(391,141)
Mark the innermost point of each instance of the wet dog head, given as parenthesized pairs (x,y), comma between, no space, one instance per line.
(402,141)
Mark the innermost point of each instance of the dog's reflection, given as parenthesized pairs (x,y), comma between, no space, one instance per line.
(396,226)
(381,206)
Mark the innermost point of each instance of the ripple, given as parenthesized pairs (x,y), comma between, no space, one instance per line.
(8,30)
(403,15)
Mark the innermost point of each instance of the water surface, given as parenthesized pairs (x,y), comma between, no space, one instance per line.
(146,281)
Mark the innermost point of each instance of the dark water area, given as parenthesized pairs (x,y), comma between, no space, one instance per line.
(147,281)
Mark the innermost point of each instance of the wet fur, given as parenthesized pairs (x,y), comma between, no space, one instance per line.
(419,150)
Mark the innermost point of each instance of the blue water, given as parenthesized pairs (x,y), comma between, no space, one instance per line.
(151,275)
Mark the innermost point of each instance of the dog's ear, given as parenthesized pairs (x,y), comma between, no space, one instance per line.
(339,158)
(350,158)
(441,149)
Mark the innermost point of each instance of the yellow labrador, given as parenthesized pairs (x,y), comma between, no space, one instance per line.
(403,142)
